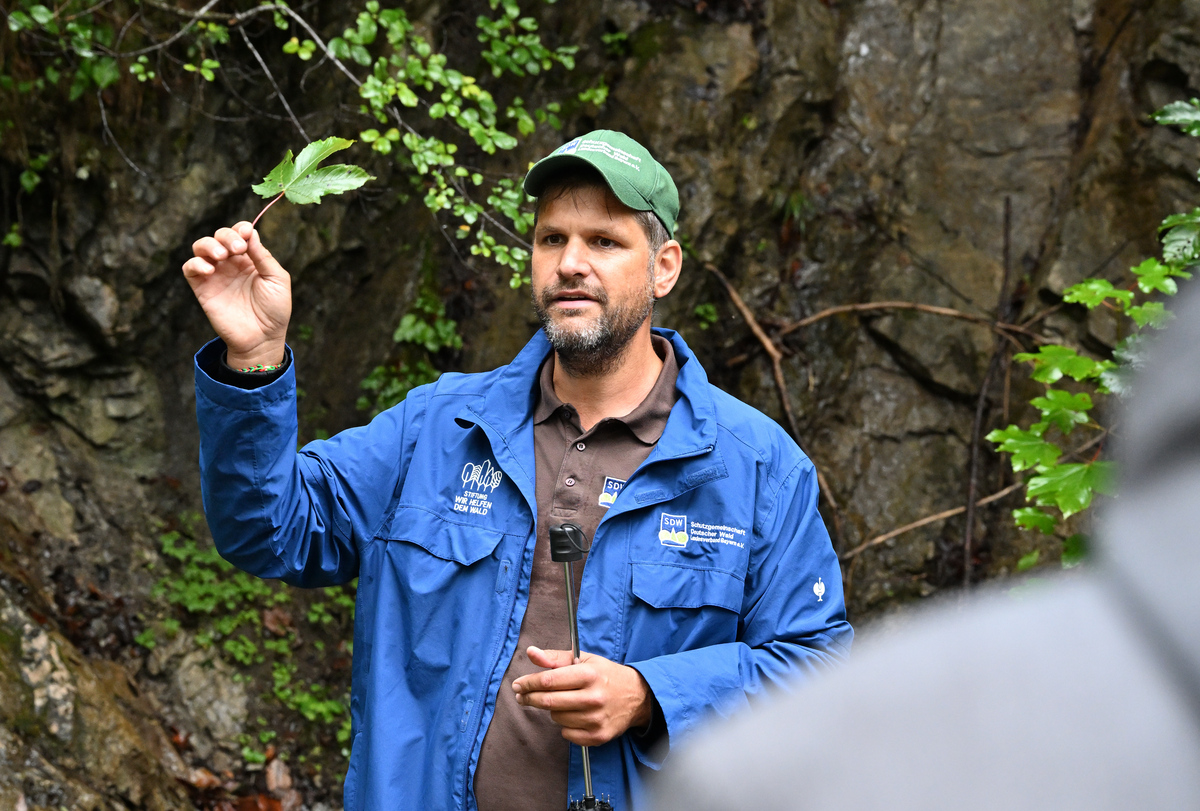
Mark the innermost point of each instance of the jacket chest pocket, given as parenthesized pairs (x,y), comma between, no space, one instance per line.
(676,608)
(446,540)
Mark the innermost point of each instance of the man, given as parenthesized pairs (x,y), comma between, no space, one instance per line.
(709,577)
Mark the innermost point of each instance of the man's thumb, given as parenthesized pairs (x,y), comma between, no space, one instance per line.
(549,658)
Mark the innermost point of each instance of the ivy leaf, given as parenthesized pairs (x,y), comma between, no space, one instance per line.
(1182,114)
(1027,447)
(1033,518)
(1153,313)
(1070,487)
(1051,363)
(1028,561)
(1091,293)
(1181,244)
(301,182)
(1063,409)
(1074,550)
(1154,275)
(1130,355)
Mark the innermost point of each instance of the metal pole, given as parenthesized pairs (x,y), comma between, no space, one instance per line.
(587,764)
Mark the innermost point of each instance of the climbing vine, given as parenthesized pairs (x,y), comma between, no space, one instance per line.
(1073,381)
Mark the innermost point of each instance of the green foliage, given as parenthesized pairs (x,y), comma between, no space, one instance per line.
(1069,487)
(706,314)
(301,182)
(206,68)
(426,328)
(1182,114)
(13,238)
(1028,561)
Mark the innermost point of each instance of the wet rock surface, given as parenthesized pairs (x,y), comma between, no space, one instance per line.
(826,153)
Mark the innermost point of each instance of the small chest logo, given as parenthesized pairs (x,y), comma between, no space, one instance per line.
(819,590)
(612,488)
(478,482)
(481,477)
(673,530)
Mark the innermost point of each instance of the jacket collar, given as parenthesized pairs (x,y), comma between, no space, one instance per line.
(507,410)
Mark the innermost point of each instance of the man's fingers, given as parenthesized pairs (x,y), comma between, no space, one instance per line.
(196,267)
(231,239)
(210,248)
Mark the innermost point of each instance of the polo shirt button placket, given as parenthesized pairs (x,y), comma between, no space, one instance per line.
(570,481)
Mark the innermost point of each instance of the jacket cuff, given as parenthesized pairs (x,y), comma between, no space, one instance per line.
(652,746)
(240,391)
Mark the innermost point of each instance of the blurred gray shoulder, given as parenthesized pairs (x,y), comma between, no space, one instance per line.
(1058,701)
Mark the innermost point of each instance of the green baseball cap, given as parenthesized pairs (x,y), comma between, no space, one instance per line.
(635,177)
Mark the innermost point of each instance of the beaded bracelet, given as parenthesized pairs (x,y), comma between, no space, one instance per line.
(262,368)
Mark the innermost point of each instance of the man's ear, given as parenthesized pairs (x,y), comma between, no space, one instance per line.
(667,266)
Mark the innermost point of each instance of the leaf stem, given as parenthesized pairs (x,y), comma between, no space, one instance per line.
(264,211)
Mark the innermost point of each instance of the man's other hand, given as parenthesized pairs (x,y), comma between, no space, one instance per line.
(245,293)
(594,700)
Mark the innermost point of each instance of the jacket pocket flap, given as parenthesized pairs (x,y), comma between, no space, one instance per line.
(665,586)
(447,540)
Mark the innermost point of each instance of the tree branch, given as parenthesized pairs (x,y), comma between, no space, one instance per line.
(274,84)
(929,519)
(776,357)
(871,306)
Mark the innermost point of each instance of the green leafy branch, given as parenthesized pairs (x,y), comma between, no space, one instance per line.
(1068,487)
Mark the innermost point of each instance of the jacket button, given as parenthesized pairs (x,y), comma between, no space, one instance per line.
(580,446)
(570,482)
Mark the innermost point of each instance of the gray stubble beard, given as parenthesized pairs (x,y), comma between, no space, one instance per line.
(597,347)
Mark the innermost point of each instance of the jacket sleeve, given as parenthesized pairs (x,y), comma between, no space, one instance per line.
(793,622)
(300,516)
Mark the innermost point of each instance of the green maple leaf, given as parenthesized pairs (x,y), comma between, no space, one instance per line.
(1028,449)
(301,182)
(1033,518)
(1154,275)
(1092,292)
(1070,487)
(1063,409)
(1051,363)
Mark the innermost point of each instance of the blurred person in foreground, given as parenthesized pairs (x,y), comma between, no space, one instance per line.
(1084,695)
(710,573)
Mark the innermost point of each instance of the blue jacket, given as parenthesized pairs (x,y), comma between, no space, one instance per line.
(712,572)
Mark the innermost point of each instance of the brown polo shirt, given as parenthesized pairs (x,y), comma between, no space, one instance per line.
(523,763)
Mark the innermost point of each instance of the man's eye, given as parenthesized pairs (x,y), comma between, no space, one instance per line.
(552,239)
(605,242)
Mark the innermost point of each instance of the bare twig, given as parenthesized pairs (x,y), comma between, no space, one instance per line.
(776,357)
(116,143)
(871,306)
(196,16)
(278,93)
(929,519)
(1002,306)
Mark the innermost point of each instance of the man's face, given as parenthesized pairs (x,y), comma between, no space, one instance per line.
(593,283)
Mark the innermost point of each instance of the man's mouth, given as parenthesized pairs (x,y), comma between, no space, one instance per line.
(574,299)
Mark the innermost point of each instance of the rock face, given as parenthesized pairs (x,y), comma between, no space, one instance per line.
(826,153)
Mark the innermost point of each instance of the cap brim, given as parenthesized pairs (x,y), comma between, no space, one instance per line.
(545,170)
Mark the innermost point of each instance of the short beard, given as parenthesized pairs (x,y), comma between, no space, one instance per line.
(597,347)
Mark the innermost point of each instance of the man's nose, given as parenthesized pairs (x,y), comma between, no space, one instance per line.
(574,261)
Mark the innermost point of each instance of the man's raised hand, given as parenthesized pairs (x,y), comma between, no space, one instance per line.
(594,700)
(245,293)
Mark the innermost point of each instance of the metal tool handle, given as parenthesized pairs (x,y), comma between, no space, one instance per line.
(567,545)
